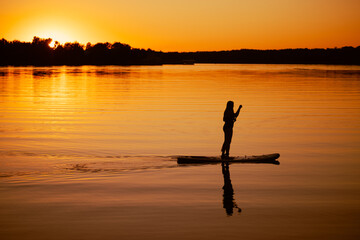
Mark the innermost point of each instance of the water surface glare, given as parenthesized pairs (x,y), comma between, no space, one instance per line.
(89,152)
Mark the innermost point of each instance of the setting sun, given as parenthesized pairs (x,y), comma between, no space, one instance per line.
(55,35)
(52,44)
(57,30)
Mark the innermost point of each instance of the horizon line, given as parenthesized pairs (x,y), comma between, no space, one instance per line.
(176,51)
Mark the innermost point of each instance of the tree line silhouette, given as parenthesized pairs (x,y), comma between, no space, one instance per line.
(39,53)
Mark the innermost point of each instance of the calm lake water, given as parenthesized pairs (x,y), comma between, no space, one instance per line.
(88,152)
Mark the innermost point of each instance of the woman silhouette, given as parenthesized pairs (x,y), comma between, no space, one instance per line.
(229,119)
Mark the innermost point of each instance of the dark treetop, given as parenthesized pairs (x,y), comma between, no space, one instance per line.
(39,53)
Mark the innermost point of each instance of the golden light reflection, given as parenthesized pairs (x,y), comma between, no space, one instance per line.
(123,109)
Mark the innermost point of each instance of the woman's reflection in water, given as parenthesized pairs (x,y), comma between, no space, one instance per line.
(228,201)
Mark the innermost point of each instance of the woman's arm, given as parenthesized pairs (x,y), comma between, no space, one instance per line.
(238,111)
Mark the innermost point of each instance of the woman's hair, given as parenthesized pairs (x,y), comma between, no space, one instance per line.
(230,105)
(229,111)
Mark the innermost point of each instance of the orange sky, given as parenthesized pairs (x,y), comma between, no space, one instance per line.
(187,25)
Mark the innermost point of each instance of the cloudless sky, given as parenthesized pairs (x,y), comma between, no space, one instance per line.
(186,25)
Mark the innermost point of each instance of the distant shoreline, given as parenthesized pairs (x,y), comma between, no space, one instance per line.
(39,53)
(170,64)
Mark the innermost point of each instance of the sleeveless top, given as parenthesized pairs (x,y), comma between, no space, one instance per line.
(229,119)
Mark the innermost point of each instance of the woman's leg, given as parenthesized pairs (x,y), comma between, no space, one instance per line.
(228,137)
(227,140)
(223,146)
